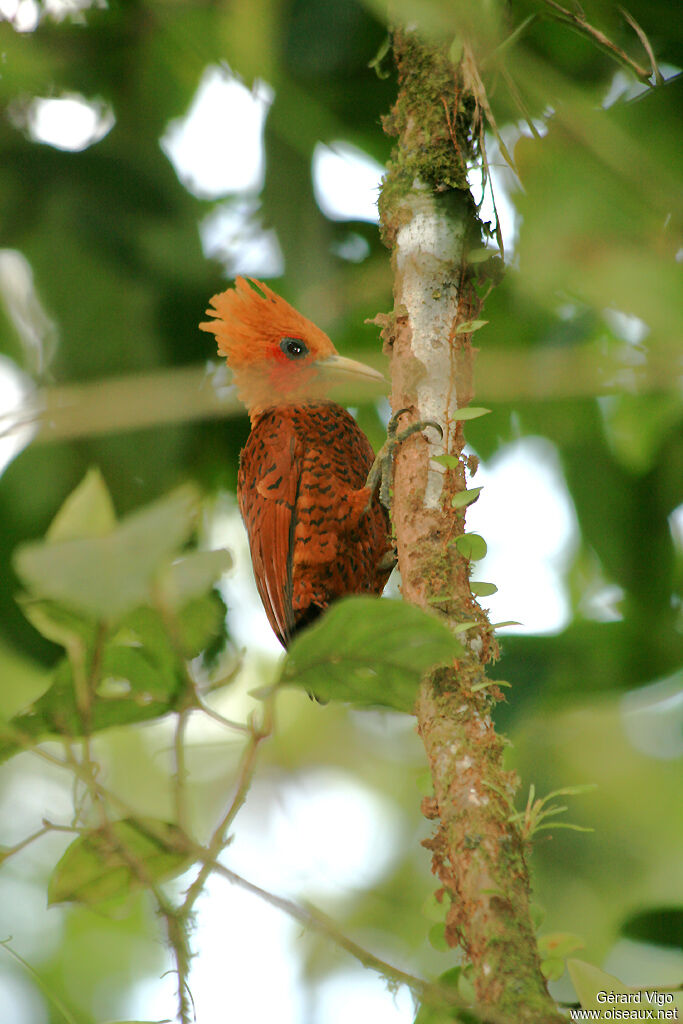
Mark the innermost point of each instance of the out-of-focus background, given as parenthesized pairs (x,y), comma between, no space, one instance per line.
(151,151)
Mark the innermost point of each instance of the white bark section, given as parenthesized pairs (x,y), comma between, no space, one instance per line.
(428,248)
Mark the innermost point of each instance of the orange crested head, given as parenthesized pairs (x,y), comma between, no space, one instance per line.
(277,355)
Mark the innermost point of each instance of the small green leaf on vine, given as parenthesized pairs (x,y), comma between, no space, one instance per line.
(481,255)
(437,937)
(470,326)
(471,546)
(464,498)
(449,461)
(470,412)
(480,589)
(554,949)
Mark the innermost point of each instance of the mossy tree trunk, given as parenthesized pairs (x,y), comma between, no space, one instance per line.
(430,222)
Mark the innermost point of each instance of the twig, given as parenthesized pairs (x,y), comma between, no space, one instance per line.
(218,839)
(577,21)
(218,717)
(645,44)
(310,917)
(179,769)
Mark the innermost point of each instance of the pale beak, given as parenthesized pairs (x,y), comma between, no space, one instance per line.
(339,367)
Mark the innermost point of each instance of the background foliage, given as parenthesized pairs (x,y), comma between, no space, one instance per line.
(111,238)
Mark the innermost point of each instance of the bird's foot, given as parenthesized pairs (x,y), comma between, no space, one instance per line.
(380,471)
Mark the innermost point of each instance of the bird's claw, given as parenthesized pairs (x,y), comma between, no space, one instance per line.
(380,471)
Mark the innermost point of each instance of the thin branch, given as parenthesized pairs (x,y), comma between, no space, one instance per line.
(9,851)
(228,723)
(246,774)
(311,917)
(577,20)
(645,44)
(180,769)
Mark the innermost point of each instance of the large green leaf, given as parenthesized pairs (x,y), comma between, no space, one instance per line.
(104,576)
(107,863)
(369,652)
(138,675)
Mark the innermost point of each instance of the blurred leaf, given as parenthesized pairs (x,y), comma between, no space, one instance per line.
(559,944)
(369,652)
(637,425)
(138,677)
(449,461)
(552,968)
(56,712)
(452,979)
(202,626)
(434,909)
(193,574)
(437,937)
(589,980)
(105,576)
(57,623)
(87,512)
(481,255)
(106,864)
(662,926)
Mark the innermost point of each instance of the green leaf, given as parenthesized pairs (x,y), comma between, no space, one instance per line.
(481,255)
(59,624)
(455,51)
(552,968)
(464,498)
(138,680)
(470,326)
(105,864)
(480,589)
(588,981)
(202,624)
(472,546)
(660,926)
(463,626)
(437,937)
(559,944)
(449,461)
(105,576)
(470,412)
(369,652)
(87,512)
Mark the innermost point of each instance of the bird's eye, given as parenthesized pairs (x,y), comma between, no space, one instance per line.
(293,348)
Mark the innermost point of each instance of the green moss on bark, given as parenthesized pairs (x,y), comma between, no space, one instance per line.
(433,118)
